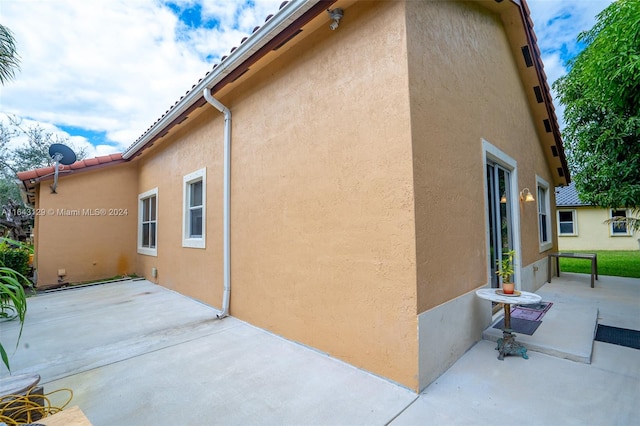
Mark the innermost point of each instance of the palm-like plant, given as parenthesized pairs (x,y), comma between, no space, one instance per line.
(13,303)
(9,60)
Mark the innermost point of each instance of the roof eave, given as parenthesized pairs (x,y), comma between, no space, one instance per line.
(287,15)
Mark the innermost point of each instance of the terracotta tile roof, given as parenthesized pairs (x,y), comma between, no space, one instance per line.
(45,172)
(222,59)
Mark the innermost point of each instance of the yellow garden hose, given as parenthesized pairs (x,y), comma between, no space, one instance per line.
(20,409)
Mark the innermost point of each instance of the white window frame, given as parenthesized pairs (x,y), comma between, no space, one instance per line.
(574,221)
(149,251)
(187,240)
(614,231)
(544,204)
(496,155)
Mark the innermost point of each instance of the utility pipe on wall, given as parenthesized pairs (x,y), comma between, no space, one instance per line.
(226,198)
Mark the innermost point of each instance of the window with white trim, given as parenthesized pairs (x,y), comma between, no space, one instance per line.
(567,225)
(194,209)
(544,215)
(148,222)
(619,228)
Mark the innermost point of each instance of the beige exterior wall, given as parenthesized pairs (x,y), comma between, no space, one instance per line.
(465,87)
(322,214)
(358,222)
(86,227)
(196,272)
(594,234)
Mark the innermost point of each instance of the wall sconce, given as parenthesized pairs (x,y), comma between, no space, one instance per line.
(526,195)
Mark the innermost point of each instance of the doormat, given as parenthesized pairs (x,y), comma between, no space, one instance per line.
(618,336)
(533,312)
(519,325)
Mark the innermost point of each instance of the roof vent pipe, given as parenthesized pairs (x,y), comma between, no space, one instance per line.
(226,198)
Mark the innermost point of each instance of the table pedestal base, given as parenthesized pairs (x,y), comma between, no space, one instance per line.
(507,345)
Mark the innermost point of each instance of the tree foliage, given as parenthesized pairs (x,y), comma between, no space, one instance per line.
(601,93)
(31,153)
(9,59)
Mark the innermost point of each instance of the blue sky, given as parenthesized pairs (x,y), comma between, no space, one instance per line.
(102,71)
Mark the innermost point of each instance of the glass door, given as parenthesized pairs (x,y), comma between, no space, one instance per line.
(500,216)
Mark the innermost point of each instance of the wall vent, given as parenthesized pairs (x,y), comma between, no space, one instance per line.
(527,56)
(547,125)
(560,172)
(554,150)
(538,94)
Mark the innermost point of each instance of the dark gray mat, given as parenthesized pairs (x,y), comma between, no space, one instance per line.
(618,336)
(519,325)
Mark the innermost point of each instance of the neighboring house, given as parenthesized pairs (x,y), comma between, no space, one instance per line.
(356,192)
(582,226)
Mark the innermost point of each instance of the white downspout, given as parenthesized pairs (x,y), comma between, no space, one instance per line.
(226,198)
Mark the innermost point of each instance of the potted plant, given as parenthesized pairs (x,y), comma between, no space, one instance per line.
(13,302)
(505,271)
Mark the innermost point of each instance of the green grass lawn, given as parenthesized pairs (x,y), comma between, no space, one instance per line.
(615,263)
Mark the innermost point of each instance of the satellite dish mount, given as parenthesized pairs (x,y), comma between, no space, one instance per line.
(60,154)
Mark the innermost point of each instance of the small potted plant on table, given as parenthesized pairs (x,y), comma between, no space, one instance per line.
(505,271)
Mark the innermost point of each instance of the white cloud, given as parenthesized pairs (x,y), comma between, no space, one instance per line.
(113,66)
(116,66)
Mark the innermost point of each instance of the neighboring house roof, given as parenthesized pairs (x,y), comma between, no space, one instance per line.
(31,178)
(288,22)
(567,196)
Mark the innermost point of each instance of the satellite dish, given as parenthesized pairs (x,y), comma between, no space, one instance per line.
(60,154)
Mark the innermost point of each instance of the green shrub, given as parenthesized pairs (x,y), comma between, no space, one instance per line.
(14,256)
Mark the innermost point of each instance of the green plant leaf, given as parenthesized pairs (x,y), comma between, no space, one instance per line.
(5,357)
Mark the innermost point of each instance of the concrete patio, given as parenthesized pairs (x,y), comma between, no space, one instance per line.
(138,354)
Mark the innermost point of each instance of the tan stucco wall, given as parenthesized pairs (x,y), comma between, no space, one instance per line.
(594,234)
(465,87)
(195,272)
(322,240)
(86,228)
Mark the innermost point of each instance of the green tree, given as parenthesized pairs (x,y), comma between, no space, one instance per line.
(32,153)
(9,59)
(601,94)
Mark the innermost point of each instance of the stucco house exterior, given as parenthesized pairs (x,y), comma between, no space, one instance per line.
(348,188)
(582,226)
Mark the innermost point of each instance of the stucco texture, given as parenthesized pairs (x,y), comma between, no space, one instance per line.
(465,87)
(85,228)
(357,183)
(196,272)
(322,239)
(322,242)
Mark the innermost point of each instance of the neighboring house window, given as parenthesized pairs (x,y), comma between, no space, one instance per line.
(544,215)
(567,222)
(148,222)
(619,228)
(194,209)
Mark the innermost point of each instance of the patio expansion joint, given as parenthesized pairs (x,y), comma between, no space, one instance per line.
(134,347)
(403,410)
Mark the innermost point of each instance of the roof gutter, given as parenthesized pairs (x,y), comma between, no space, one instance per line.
(274,26)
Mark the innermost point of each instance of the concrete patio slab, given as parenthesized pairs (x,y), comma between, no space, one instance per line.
(138,354)
(135,353)
(547,390)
